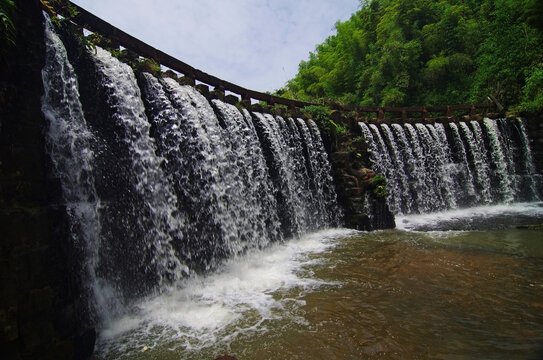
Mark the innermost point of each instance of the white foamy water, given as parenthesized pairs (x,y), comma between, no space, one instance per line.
(479,217)
(239,298)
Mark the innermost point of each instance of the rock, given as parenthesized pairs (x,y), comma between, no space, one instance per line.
(231,99)
(84,344)
(341,159)
(170,74)
(364,175)
(353,191)
(349,180)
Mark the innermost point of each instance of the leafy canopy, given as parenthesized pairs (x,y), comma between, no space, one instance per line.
(426,52)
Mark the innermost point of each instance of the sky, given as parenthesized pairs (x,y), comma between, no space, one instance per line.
(257,44)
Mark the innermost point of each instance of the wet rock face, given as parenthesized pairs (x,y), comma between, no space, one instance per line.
(363,210)
(38,297)
(363,176)
(349,159)
(534,127)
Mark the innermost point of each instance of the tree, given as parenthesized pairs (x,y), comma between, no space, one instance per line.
(507,54)
(424,52)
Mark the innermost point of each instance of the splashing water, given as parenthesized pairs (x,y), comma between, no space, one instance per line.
(446,167)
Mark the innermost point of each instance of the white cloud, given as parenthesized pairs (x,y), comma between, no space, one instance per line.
(257,44)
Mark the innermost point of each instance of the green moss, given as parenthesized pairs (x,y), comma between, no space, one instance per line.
(170,74)
(531,227)
(378,183)
(147,65)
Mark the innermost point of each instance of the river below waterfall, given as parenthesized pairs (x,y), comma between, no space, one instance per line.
(464,284)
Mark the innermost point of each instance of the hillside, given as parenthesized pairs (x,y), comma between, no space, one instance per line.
(423,52)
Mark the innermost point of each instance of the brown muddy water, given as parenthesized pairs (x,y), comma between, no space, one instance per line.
(418,292)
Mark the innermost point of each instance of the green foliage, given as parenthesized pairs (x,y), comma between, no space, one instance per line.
(60,10)
(506,54)
(146,65)
(533,92)
(359,141)
(98,40)
(331,131)
(379,183)
(533,12)
(322,116)
(425,52)
(7,27)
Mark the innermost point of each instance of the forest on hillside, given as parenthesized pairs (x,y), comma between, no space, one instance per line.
(427,52)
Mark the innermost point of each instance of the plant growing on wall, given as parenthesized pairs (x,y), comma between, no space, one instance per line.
(330,130)
(379,183)
(67,9)
(321,115)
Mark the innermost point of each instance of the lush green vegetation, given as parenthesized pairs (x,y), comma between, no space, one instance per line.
(426,52)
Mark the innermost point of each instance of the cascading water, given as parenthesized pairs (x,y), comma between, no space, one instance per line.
(397,163)
(322,183)
(455,165)
(505,188)
(255,194)
(69,144)
(162,184)
(301,206)
(527,165)
(380,157)
(424,186)
(479,158)
(212,172)
(463,170)
(139,218)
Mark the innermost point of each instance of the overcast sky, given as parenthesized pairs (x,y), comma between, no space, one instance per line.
(256,44)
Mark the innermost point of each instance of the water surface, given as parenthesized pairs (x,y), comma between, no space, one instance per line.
(417,292)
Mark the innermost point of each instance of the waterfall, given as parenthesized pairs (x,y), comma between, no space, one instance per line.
(424,185)
(328,211)
(442,155)
(304,190)
(478,152)
(139,215)
(69,145)
(527,179)
(161,183)
(398,163)
(463,171)
(499,162)
(410,164)
(435,167)
(383,165)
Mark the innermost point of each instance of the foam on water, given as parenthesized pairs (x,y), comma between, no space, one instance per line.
(480,217)
(239,298)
